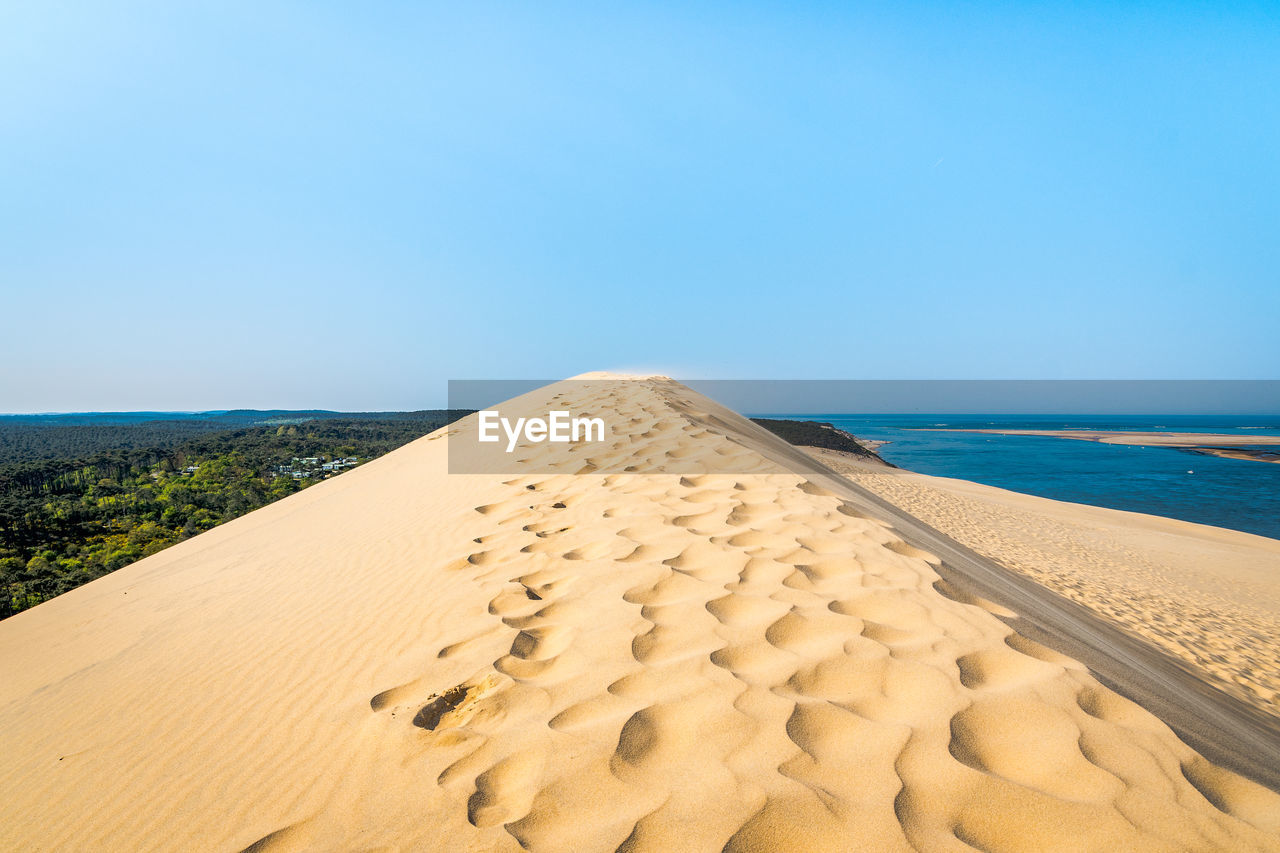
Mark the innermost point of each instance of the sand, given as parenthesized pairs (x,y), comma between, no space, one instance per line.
(1207,595)
(403,659)
(1249,454)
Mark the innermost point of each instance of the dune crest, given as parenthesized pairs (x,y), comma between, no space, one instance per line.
(403,659)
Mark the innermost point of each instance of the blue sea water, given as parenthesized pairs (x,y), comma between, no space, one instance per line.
(1233,493)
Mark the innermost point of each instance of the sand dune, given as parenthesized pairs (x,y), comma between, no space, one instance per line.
(1207,595)
(404,659)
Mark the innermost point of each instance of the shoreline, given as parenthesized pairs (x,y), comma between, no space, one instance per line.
(1224,445)
(1250,454)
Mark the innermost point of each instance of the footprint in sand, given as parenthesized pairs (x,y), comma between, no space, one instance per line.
(504,793)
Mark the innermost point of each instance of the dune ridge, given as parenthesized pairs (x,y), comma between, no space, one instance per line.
(400,658)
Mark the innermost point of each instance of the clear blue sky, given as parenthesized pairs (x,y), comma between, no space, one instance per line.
(273,204)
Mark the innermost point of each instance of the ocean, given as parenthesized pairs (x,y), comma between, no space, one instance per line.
(1233,493)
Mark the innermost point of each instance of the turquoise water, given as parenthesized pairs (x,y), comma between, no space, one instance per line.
(1237,494)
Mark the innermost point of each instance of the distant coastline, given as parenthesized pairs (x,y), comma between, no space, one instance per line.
(1257,448)
(1024,453)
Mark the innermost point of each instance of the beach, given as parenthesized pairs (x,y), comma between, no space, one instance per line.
(761,656)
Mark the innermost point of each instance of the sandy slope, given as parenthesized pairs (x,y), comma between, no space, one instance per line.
(403,659)
(1207,595)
